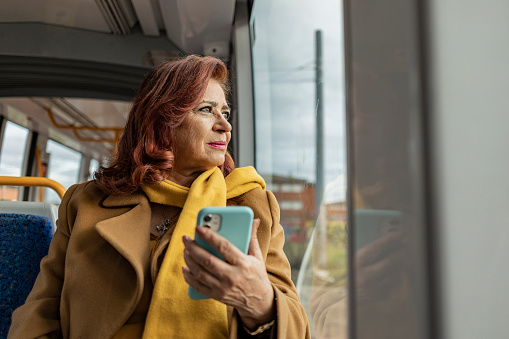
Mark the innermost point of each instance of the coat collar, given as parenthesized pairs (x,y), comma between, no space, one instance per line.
(129,231)
(135,198)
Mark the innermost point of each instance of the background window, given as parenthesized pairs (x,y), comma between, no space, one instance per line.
(93,166)
(63,167)
(11,157)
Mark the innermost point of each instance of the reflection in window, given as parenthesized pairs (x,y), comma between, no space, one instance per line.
(285,81)
(63,167)
(11,157)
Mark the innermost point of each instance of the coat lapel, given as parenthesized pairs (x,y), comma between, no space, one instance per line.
(129,232)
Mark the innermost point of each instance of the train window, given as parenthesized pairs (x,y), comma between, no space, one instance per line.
(11,156)
(93,166)
(298,72)
(63,166)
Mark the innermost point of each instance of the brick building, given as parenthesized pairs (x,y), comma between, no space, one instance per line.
(296,198)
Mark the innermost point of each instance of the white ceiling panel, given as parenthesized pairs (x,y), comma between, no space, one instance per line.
(83,14)
(194,24)
(147,16)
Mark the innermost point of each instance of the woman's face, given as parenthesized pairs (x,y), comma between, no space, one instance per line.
(202,139)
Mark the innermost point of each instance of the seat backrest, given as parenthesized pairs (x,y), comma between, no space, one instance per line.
(45,209)
(24,241)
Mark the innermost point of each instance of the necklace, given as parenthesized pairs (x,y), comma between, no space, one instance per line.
(167,224)
(164,226)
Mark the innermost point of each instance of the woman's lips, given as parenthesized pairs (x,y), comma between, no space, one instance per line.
(218,144)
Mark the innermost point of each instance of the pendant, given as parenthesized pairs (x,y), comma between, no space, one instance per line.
(164,226)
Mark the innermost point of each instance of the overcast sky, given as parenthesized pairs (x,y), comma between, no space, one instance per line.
(13,147)
(285,101)
(64,166)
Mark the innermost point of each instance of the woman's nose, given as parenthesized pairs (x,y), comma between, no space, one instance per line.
(222,124)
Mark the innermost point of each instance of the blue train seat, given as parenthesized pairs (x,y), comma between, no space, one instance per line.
(46,209)
(24,241)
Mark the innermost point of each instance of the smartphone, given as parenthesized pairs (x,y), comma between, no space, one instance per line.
(232,222)
(373,224)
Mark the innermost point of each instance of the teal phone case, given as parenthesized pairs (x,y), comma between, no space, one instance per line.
(236,224)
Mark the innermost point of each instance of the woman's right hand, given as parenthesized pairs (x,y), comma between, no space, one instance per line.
(241,281)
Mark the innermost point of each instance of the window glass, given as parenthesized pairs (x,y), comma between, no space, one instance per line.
(290,205)
(389,227)
(93,166)
(296,188)
(63,167)
(308,181)
(11,157)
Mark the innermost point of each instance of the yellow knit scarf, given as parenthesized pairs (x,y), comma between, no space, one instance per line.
(172,314)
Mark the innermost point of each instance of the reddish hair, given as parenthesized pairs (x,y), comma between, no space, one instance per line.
(145,152)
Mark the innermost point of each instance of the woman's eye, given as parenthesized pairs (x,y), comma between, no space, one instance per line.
(206,109)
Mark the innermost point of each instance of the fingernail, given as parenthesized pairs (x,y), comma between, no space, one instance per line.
(201,230)
(256,223)
(185,239)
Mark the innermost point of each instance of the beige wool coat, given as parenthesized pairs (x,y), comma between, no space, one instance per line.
(93,277)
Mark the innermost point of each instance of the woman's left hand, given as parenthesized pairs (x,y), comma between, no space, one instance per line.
(241,282)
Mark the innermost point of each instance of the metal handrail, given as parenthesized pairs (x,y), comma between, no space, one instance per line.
(116,130)
(33,181)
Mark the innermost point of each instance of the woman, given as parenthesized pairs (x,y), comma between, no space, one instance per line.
(122,259)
